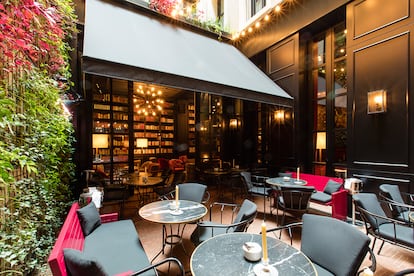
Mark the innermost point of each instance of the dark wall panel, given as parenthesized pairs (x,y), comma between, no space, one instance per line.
(282,56)
(386,13)
(283,68)
(382,138)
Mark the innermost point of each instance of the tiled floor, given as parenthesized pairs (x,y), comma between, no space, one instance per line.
(391,260)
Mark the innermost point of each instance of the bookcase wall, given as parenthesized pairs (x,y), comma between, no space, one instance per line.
(115,117)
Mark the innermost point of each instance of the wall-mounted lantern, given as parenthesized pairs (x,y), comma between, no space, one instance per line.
(377,101)
(279,116)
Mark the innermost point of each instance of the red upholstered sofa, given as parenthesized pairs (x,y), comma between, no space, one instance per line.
(114,244)
(338,199)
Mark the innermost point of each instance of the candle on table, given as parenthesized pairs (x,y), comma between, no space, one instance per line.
(297,173)
(264,243)
(176,196)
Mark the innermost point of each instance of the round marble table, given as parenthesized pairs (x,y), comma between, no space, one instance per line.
(144,185)
(223,255)
(218,175)
(160,212)
(282,181)
(163,212)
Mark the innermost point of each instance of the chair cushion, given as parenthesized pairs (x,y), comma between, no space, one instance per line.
(332,187)
(404,234)
(322,271)
(81,264)
(89,218)
(117,247)
(201,234)
(321,197)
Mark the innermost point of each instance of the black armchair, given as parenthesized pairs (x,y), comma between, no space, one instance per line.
(256,188)
(294,200)
(400,204)
(245,216)
(154,266)
(334,247)
(379,225)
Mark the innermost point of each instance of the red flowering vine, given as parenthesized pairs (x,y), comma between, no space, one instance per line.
(163,6)
(31,34)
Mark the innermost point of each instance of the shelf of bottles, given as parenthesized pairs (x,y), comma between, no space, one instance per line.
(191,128)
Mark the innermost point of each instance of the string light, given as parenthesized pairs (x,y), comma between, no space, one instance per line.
(273,12)
(278,8)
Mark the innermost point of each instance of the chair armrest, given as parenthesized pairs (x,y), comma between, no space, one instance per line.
(222,206)
(259,180)
(373,265)
(409,197)
(109,217)
(167,260)
(340,204)
(288,227)
(398,210)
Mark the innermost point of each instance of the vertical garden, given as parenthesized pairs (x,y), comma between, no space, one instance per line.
(36,134)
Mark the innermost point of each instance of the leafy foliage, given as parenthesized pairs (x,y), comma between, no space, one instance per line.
(36,136)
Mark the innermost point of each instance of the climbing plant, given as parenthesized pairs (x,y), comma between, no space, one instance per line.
(36,135)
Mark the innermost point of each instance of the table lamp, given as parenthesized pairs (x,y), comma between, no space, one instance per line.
(320,143)
(142,143)
(99,141)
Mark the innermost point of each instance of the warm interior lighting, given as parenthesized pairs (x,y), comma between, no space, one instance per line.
(233,123)
(321,140)
(142,143)
(148,101)
(279,115)
(99,141)
(320,144)
(377,101)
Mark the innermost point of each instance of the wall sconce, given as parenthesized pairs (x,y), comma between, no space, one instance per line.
(279,116)
(142,143)
(320,143)
(377,101)
(99,141)
(233,123)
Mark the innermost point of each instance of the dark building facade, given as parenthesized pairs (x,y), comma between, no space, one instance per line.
(331,57)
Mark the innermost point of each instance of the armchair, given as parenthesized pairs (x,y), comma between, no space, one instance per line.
(154,266)
(256,188)
(207,229)
(334,247)
(293,200)
(398,207)
(378,225)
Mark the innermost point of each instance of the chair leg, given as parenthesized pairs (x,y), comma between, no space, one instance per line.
(373,243)
(283,223)
(382,244)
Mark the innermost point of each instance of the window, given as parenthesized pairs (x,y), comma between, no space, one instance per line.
(256,6)
(330,96)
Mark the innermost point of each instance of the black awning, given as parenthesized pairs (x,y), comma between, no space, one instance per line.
(125,43)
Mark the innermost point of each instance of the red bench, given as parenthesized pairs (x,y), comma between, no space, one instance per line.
(114,244)
(70,236)
(339,198)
